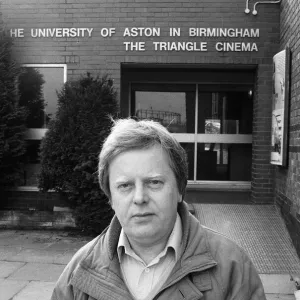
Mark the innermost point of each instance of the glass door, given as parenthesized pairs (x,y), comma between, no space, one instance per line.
(224,136)
(174,106)
(213,124)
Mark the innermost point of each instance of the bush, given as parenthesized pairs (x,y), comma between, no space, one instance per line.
(12,118)
(30,87)
(70,149)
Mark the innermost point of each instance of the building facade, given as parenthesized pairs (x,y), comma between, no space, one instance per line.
(287,180)
(204,69)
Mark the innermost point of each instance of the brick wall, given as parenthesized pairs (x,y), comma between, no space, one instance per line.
(36,219)
(105,54)
(31,199)
(287,180)
(34,209)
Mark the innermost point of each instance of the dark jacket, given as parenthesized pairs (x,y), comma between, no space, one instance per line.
(211,267)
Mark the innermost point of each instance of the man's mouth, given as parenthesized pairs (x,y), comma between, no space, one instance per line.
(142,215)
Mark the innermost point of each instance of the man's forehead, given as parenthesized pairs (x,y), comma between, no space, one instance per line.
(153,160)
(153,151)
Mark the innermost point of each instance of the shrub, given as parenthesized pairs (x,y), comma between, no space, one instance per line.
(30,87)
(70,149)
(12,118)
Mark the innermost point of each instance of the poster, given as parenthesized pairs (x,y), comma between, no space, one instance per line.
(280,105)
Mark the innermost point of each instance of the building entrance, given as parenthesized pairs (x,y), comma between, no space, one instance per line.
(215,127)
(211,120)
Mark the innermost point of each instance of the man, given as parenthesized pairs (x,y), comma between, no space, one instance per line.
(154,248)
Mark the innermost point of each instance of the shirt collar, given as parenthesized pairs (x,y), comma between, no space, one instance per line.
(174,242)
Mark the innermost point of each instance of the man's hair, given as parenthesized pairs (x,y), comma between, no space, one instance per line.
(129,134)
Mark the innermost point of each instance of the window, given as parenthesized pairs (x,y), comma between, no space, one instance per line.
(37,87)
(213,124)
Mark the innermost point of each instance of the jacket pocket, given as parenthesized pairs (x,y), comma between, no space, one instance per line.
(182,290)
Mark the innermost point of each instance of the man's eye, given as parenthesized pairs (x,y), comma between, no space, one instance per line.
(155,183)
(124,186)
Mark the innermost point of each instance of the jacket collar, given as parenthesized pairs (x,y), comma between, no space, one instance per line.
(174,242)
(98,267)
(114,230)
(196,254)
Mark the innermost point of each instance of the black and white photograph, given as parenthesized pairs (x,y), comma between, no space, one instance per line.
(149,149)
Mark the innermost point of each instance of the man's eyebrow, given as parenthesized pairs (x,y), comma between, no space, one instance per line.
(122,180)
(154,176)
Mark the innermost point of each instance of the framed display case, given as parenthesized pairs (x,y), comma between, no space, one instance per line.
(280,107)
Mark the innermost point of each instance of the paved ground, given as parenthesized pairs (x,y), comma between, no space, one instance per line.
(259,229)
(31,261)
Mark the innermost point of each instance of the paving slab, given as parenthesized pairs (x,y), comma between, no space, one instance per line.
(8,251)
(277,284)
(38,272)
(35,256)
(6,232)
(7,268)
(65,245)
(25,240)
(280,297)
(9,288)
(36,291)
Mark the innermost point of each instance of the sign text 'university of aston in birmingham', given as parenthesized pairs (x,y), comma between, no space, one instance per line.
(132,32)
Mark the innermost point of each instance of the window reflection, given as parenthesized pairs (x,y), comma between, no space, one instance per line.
(37,87)
(226,112)
(30,87)
(212,126)
(172,106)
(216,161)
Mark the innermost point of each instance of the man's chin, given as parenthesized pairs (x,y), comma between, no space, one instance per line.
(143,234)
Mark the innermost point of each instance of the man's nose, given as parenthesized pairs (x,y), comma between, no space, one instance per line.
(140,194)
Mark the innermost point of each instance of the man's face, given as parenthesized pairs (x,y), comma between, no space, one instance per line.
(144,194)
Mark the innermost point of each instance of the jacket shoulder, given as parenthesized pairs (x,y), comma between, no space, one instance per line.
(219,239)
(63,288)
(223,249)
(203,238)
(84,251)
(235,272)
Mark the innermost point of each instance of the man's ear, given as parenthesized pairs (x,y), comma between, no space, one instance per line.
(180,198)
(111,204)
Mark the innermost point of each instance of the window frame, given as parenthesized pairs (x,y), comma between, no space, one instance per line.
(39,133)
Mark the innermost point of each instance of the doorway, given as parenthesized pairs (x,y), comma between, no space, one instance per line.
(209,111)
(214,127)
